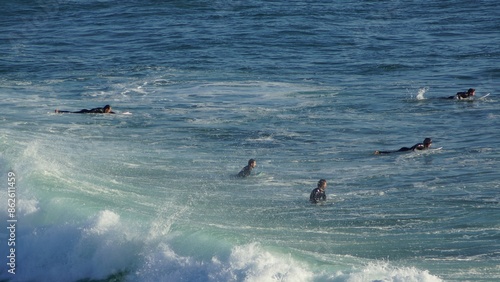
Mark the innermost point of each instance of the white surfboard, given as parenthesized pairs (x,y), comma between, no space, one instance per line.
(484,96)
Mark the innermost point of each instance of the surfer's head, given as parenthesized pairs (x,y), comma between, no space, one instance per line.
(322,184)
(252,163)
(471,91)
(427,142)
(107,109)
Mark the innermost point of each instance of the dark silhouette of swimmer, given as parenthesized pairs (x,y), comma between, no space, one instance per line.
(247,170)
(419,146)
(318,193)
(104,110)
(464,95)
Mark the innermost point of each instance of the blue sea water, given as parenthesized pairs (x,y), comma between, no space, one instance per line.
(310,89)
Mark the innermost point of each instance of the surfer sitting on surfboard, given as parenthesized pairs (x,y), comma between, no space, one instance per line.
(464,95)
(247,170)
(105,110)
(419,146)
(318,193)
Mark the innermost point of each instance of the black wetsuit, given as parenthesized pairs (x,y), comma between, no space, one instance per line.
(317,195)
(246,171)
(418,146)
(91,111)
(460,95)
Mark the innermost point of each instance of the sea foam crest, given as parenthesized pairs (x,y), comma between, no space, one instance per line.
(70,252)
(248,262)
(104,246)
(383,272)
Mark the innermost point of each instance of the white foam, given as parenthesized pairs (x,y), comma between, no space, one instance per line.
(257,265)
(27,206)
(421,92)
(245,263)
(383,271)
(252,263)
(104,245)
(69,252)
(105,221)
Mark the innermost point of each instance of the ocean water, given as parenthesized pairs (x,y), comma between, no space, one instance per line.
(310,89)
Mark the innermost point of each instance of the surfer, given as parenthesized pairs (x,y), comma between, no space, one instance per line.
(464,95)
(104,110)
(318,193)
(419,146)
(247,170)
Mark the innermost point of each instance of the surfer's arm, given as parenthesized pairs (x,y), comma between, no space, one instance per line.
(383,152)
(418,146)
(312,197)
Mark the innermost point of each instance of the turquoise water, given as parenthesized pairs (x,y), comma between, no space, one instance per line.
(310,89)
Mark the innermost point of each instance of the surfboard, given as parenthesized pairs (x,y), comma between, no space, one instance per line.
(484,96)
(475,98)
(428,151)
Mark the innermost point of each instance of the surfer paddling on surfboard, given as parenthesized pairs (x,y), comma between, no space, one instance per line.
(247,170)
(105,110)
(464,95)
(419,146)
